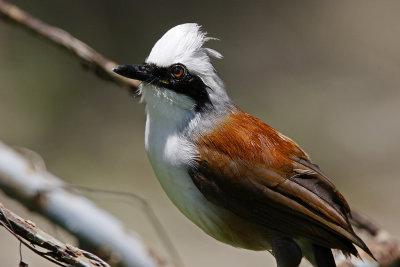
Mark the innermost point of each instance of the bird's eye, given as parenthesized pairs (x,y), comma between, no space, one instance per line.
(178,71)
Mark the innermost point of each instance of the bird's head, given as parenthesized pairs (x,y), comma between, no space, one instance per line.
(178,72)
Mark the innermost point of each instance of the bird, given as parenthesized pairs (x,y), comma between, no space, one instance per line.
(237,178)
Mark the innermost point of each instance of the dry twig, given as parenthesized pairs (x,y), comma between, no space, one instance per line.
(50,248)
(23,176)
(91,59)
(382,245)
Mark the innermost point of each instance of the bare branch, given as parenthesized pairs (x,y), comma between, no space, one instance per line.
(24,177)
(90,59)
(363,223)
(52,249)
(382,245)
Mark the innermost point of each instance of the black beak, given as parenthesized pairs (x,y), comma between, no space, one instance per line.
(141,72)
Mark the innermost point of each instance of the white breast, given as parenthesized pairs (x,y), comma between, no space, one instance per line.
(170,155)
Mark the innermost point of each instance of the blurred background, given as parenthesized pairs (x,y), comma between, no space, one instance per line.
(325,73)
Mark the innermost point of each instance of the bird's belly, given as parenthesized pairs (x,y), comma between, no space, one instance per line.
(216,221)
(169,156)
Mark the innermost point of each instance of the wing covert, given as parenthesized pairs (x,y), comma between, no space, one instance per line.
(263,176)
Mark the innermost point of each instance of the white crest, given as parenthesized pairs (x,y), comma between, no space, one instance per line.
(184,44)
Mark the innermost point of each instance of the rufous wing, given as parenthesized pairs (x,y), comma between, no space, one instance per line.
(262,176)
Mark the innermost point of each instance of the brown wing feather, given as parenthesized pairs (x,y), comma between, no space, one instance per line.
(263,176)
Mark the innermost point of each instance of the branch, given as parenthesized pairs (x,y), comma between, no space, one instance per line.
(382,245)
(90,59)
(52,249)
(23,176)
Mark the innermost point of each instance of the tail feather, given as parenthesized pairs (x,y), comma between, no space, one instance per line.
(364,247)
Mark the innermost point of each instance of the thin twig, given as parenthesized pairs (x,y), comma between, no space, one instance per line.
(23,176)
(362,222)
(54,250)
(91,59)
(148,210)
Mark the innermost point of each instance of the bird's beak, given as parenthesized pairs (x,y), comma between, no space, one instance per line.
(140,72)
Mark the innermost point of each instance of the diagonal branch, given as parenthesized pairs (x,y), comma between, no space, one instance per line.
(50,248)
(382,245)
(91,59)
(23,176)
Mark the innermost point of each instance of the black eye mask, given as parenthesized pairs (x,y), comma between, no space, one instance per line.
(175,78)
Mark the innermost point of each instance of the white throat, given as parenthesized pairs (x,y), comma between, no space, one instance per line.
(165,102)
(172,153)
(168,116)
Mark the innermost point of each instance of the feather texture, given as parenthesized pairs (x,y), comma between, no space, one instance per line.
(263,176)
(234,176)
